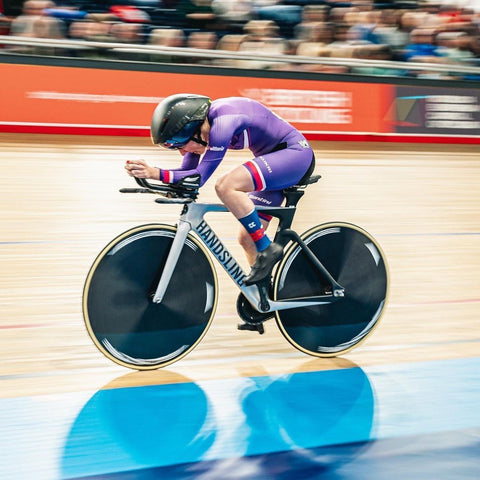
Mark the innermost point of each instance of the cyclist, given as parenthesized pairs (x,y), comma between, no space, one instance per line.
(195,126)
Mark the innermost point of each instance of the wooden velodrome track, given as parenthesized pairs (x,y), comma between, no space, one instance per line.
(60,205)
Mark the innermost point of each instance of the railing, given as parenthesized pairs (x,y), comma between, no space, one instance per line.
(188,53)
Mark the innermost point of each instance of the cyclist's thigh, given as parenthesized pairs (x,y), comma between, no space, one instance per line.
(281,169)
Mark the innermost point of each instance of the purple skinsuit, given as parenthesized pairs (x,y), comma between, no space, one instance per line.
(282,154)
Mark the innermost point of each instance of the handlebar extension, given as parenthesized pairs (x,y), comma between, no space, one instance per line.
(187,191)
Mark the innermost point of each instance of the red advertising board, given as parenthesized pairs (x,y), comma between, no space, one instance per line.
(81,100)
(75,100)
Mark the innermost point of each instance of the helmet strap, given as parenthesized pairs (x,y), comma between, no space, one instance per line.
(198,140)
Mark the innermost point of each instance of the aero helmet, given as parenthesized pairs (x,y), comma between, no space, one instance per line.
(177,118)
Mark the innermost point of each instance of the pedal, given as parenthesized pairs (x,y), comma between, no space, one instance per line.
(252,327)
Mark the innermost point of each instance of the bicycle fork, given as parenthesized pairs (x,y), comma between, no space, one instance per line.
(179,240)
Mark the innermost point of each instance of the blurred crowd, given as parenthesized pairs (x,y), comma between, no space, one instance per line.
(443,32)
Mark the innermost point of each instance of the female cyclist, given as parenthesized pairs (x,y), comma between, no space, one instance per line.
(202,131)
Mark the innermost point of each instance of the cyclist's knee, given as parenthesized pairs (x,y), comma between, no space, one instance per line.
(222,186)
(238,180)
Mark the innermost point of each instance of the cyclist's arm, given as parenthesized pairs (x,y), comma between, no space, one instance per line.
(189,162)
(205,168)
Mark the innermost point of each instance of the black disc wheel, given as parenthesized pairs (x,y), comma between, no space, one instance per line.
(120,315)
(355,260)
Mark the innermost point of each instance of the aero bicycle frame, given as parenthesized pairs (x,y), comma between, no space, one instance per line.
(192,218)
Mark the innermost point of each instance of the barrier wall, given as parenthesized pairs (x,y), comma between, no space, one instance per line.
(111,98)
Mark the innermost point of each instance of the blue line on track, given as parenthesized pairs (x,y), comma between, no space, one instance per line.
(448,456)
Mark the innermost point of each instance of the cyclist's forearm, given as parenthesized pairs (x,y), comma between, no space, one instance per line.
(189,162)
(204,169)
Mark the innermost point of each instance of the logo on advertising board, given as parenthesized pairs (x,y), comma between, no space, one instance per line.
(331,107)
(434,110)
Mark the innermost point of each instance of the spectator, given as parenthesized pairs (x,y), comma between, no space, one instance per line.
(79,30)
(346,38)
(413,19)
(167,37)
(202,41)
(34,23)
(262,38)
(388,32)
(285,16)
(49,28)
(381,53)
(90,30)
(235,13)
(455,47)
(315,13)
(422,46)
(414,31)
(341,35)
(315,31)
(231,42)
(131,33)
(32,10)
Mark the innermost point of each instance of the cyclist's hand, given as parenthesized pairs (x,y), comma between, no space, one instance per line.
(141,169)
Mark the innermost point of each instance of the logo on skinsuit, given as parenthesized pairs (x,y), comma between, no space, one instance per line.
(269,169)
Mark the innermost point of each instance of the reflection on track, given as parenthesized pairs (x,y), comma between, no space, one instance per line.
(344,423)
(218,420)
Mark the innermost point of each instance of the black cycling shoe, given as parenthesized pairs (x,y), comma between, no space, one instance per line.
(264,263)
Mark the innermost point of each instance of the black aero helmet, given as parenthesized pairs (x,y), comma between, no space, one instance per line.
(177,118)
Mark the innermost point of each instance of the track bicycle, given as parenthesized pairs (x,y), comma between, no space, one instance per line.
(151,294)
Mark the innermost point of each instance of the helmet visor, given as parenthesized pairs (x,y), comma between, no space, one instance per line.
(181,138)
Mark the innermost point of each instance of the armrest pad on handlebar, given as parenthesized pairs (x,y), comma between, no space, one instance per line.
(190,182)
(173,200)
(135,190)
(151,186)
(171,190)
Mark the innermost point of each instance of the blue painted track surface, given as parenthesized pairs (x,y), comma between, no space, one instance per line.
(412,420)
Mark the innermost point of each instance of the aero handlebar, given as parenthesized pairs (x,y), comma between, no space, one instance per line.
(174,193)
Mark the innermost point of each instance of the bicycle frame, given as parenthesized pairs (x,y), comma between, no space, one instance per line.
(192,219)
(146,330)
